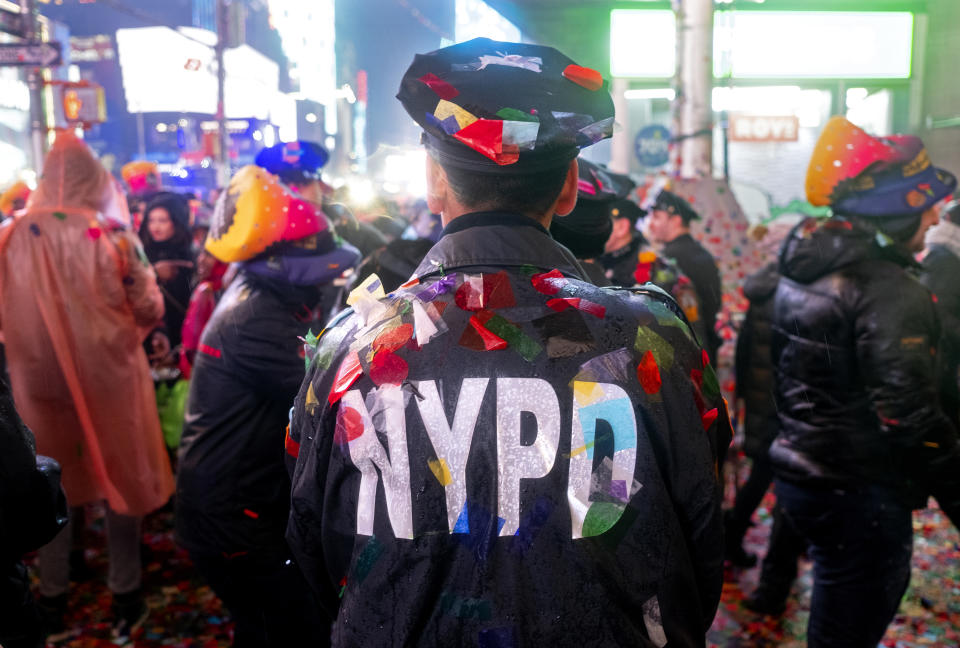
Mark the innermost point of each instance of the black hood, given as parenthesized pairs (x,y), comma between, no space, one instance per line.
(816,247)
(762,284)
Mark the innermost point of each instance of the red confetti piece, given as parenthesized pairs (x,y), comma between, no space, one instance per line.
(548,283)
(491,341)
(94,233)
(443,89)
(292,447)
(563,303)
(393,339)
(705,359)
(485,136)
(709,418)
(348,373)
(642,273)
(496,293)
(584,77)
(648,373)
(388,369)
(251,514)
(349,426)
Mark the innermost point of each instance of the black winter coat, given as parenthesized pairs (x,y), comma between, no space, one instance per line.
(854,340)
(941,274)
(695,262)
(753,364)
(558,486)
(233,491)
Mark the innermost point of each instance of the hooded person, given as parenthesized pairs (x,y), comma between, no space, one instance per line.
(862,438)
(498,443)
(76,299)
(233,492)
(167,241)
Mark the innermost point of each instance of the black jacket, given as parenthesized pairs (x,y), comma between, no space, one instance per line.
(753,365)
(854,340)
(409,515)
(695,262)
(941,274)
(233,491)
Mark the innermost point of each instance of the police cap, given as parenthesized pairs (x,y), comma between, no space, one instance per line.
(675,205)
(508,108)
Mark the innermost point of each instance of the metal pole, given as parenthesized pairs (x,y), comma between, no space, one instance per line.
(141,136)
(223,138)
(695,36)
(38,127)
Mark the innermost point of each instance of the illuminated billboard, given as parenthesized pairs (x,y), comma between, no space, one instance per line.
(770,44)
(475,19)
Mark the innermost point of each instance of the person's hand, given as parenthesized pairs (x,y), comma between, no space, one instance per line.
(167,270)
(160,346)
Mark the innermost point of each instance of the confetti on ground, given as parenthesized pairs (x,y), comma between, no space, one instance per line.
(929,614)
(184,612)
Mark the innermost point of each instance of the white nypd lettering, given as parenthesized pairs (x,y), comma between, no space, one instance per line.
(516,461)
(452,443)
(598,498)
(369,456)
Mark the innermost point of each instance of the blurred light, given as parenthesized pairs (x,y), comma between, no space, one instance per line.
(390,187)
(651,93)
(182,123)
(346,92)
(257,136)
(161,128)
(311,118)
(205,164)
(269,136)
(330,142)
(855,96)
(475,18)
(643,43)
(361,191)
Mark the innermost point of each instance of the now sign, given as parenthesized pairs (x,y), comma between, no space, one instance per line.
(756,128)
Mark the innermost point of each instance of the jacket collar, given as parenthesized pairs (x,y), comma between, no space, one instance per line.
(498,239)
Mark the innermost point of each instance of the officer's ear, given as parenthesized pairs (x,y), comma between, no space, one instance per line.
(568,195)
(437,186)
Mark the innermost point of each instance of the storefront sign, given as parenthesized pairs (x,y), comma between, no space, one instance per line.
(11,23)
(91,49)
(757,128)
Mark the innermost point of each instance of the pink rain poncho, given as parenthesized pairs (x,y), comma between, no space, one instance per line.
(75,303)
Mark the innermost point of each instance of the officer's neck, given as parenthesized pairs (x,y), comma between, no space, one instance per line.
(457,210)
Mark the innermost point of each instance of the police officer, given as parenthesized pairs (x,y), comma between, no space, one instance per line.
(500,453)
(669,226)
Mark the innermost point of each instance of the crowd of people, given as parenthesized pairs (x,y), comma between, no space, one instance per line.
(491,417)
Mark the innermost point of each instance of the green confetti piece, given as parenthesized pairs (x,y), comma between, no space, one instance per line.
(311,339)
(329,343)
(517,339)
(529,270)
(665,316)
(711,386)
(405,307)
(367,559)
(512,114)
(648,340)
(600,517)
(59,215)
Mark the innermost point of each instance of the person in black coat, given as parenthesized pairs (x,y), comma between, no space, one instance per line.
(167,242)
(941,269)
(862,439)
(499,452)
(233,491)
(33,509)
(669,225)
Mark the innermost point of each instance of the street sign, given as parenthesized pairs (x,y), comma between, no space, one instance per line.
(11,23)
(652,146)
(30,54)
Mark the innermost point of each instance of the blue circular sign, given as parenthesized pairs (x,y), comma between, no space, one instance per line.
(652,146)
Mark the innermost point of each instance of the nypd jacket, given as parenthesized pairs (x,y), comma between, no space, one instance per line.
(233,491)
(854,346)
(499,453)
